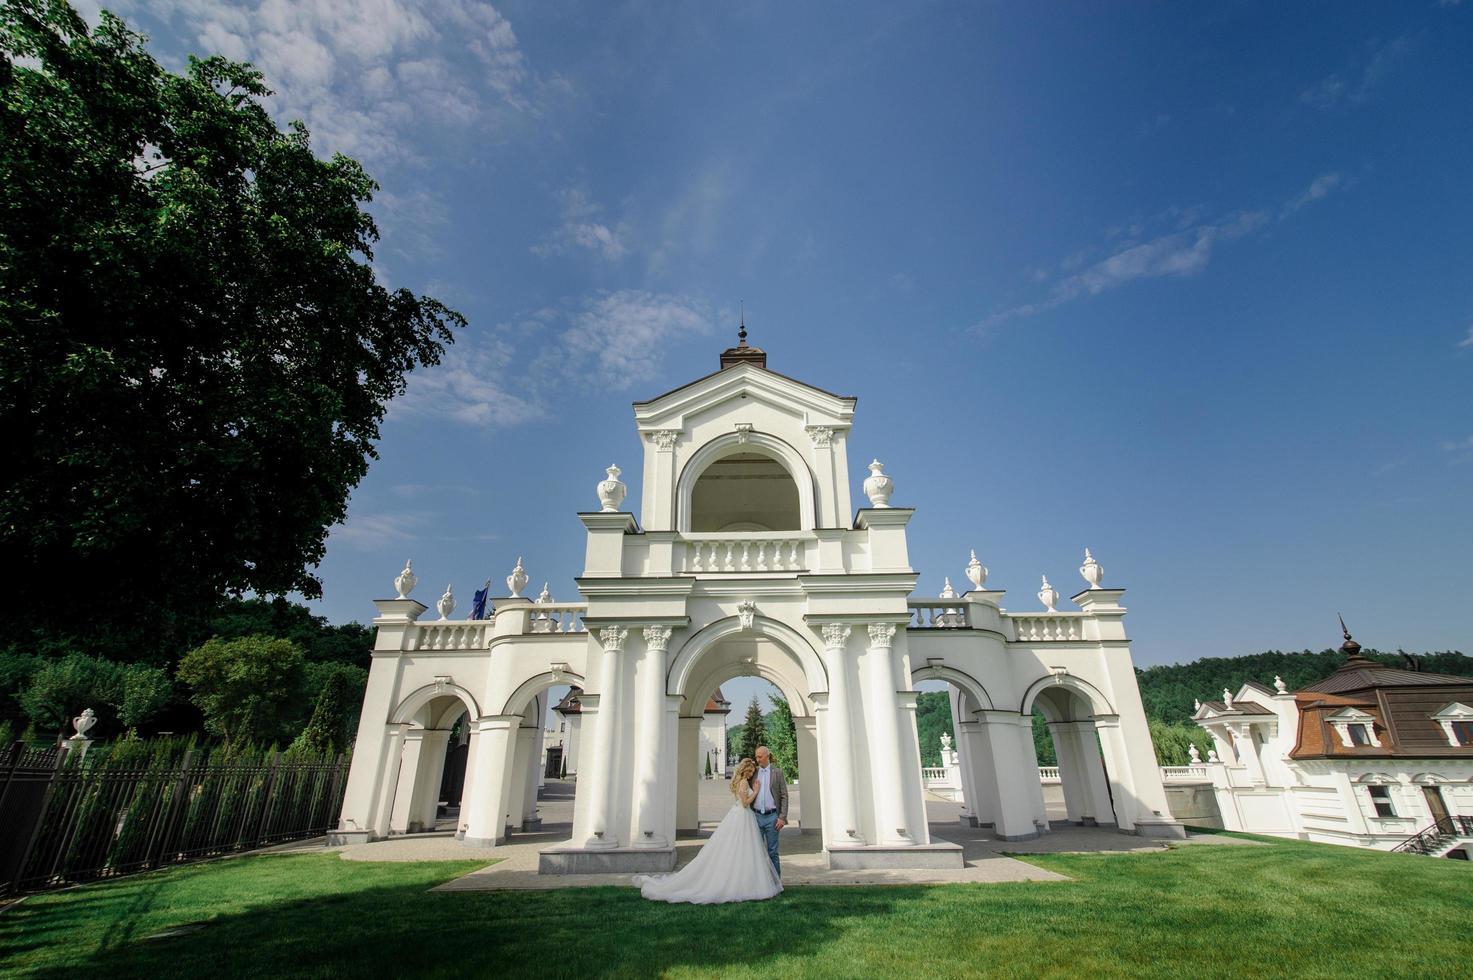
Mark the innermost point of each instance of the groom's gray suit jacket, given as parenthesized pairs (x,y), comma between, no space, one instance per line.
(778,785)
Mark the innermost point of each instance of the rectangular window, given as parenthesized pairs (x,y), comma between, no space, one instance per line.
(1358,735)
(1381,798)
(1463,732)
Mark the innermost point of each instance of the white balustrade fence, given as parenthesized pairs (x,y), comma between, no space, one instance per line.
(472,635)
(558,617)
(741,551)
(926,614)
(1046,627)
(1048,774)
(933,774)
(1179,773)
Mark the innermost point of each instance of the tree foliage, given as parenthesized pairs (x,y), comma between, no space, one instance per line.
(754,731)
(327,732)
(121,695)
(195,354)
(782,736)
(933,716)
(245,688)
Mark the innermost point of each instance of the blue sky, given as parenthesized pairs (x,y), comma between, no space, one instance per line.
(1187,284)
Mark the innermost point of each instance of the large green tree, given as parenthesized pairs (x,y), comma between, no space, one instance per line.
(195,353)
(247,689)
(754,731)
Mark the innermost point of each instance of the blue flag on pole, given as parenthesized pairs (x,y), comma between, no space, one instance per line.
(478,604)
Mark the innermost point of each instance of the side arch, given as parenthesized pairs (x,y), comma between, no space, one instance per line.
(958,678)
(516,703)
(678,677)
(759,442)
(1098,703)
(418,698)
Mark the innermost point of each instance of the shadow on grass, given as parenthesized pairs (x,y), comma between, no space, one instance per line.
(403,929)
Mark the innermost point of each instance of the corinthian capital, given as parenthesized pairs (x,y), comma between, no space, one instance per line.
(611,638)
(881,635)
(664,438)
(657,638)
(822,435)
(835,635)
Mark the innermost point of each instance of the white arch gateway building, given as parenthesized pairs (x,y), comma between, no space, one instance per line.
(746,559)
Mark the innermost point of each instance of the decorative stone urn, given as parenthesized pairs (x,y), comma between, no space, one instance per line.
(1194,755)
(611,492)
(83,723)
(1279,686)
(976,571)
(1091,570)
(878,486)
(1048,595)
(543,622)
(517,580)
(406,580)
(446,603)
(947,592)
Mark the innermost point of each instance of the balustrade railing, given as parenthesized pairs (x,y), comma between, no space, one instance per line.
(743,551)
(937,614)
(933,774)
(472,635)
(1048,774)
(558,617)
(1046,627)
(1183,772)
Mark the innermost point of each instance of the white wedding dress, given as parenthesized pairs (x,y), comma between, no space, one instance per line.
(732,867)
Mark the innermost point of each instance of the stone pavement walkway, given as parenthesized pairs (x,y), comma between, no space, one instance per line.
(515,863)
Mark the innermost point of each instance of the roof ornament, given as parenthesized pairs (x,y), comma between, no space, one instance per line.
(1279,685)
(742,324)
(1227,699)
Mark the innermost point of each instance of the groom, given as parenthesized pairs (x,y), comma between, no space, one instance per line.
(771,804)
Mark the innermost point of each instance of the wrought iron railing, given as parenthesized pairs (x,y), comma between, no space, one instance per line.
(66,818)
(1431,840)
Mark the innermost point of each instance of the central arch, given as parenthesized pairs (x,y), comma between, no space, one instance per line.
(746,443)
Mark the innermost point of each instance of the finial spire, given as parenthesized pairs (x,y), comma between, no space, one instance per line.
(742,326)
(1343,628)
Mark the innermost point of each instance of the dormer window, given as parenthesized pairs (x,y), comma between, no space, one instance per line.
(1355,727)
(1457,723)
(1358,736)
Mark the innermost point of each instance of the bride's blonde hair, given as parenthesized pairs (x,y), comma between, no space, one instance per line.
(744,771)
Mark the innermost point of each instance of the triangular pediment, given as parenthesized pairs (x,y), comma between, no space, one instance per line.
(1454,711)
(778,390)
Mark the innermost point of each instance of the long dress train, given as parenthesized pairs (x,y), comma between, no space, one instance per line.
(732,867)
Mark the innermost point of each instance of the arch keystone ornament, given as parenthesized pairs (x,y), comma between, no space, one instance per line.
(747,553)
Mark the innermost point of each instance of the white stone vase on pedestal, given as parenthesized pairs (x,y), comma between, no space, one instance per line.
(878,486)
(446,603)
(406,580)
(611,491)
(1048,595)
(976,571)
(517,580)
(83,724)
(1091,571)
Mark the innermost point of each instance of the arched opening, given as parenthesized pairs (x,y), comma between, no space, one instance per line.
(957,763)
(431,760)
(1072,770)
(744,666)
(745,491)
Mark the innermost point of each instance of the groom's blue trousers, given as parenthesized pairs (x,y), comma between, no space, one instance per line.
(767,823)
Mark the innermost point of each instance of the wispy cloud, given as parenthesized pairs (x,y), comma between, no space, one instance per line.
(470,386)
(365,76)
(1461,450)
(1353,86)
(428,489)
(368,532)
(1181,246)
(619,336)
(1468,340)
(582,229)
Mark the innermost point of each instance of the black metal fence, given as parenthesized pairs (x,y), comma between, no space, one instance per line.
(67,818)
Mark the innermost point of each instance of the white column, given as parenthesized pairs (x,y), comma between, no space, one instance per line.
(400,814)
(649,748)
(603,760)
(1071,770)
(426,806)
(888,788)
(389,782)
(975,751)
(835,725)
(521,763)
(1016,787)
(484,814)
(687,781)
(1135,777)
(534,775)
(810,794)
(1098,804)
(968,815)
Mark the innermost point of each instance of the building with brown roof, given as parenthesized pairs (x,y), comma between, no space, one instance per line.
(1371,756)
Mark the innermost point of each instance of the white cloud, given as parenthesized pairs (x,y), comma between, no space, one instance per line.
(1468,340)
(1461,450)
(580,230)
(1321,187)
(619,336)
(1184,250)
(366,532)
(467,386)
(365,74)
(1353,86)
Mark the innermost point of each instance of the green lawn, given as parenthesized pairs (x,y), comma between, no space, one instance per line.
(1288,908)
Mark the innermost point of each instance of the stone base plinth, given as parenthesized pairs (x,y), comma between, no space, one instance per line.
(337,838)
(1161,828)
(938,854)
(605,860)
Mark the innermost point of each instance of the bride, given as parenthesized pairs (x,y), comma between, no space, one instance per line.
(733,865)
